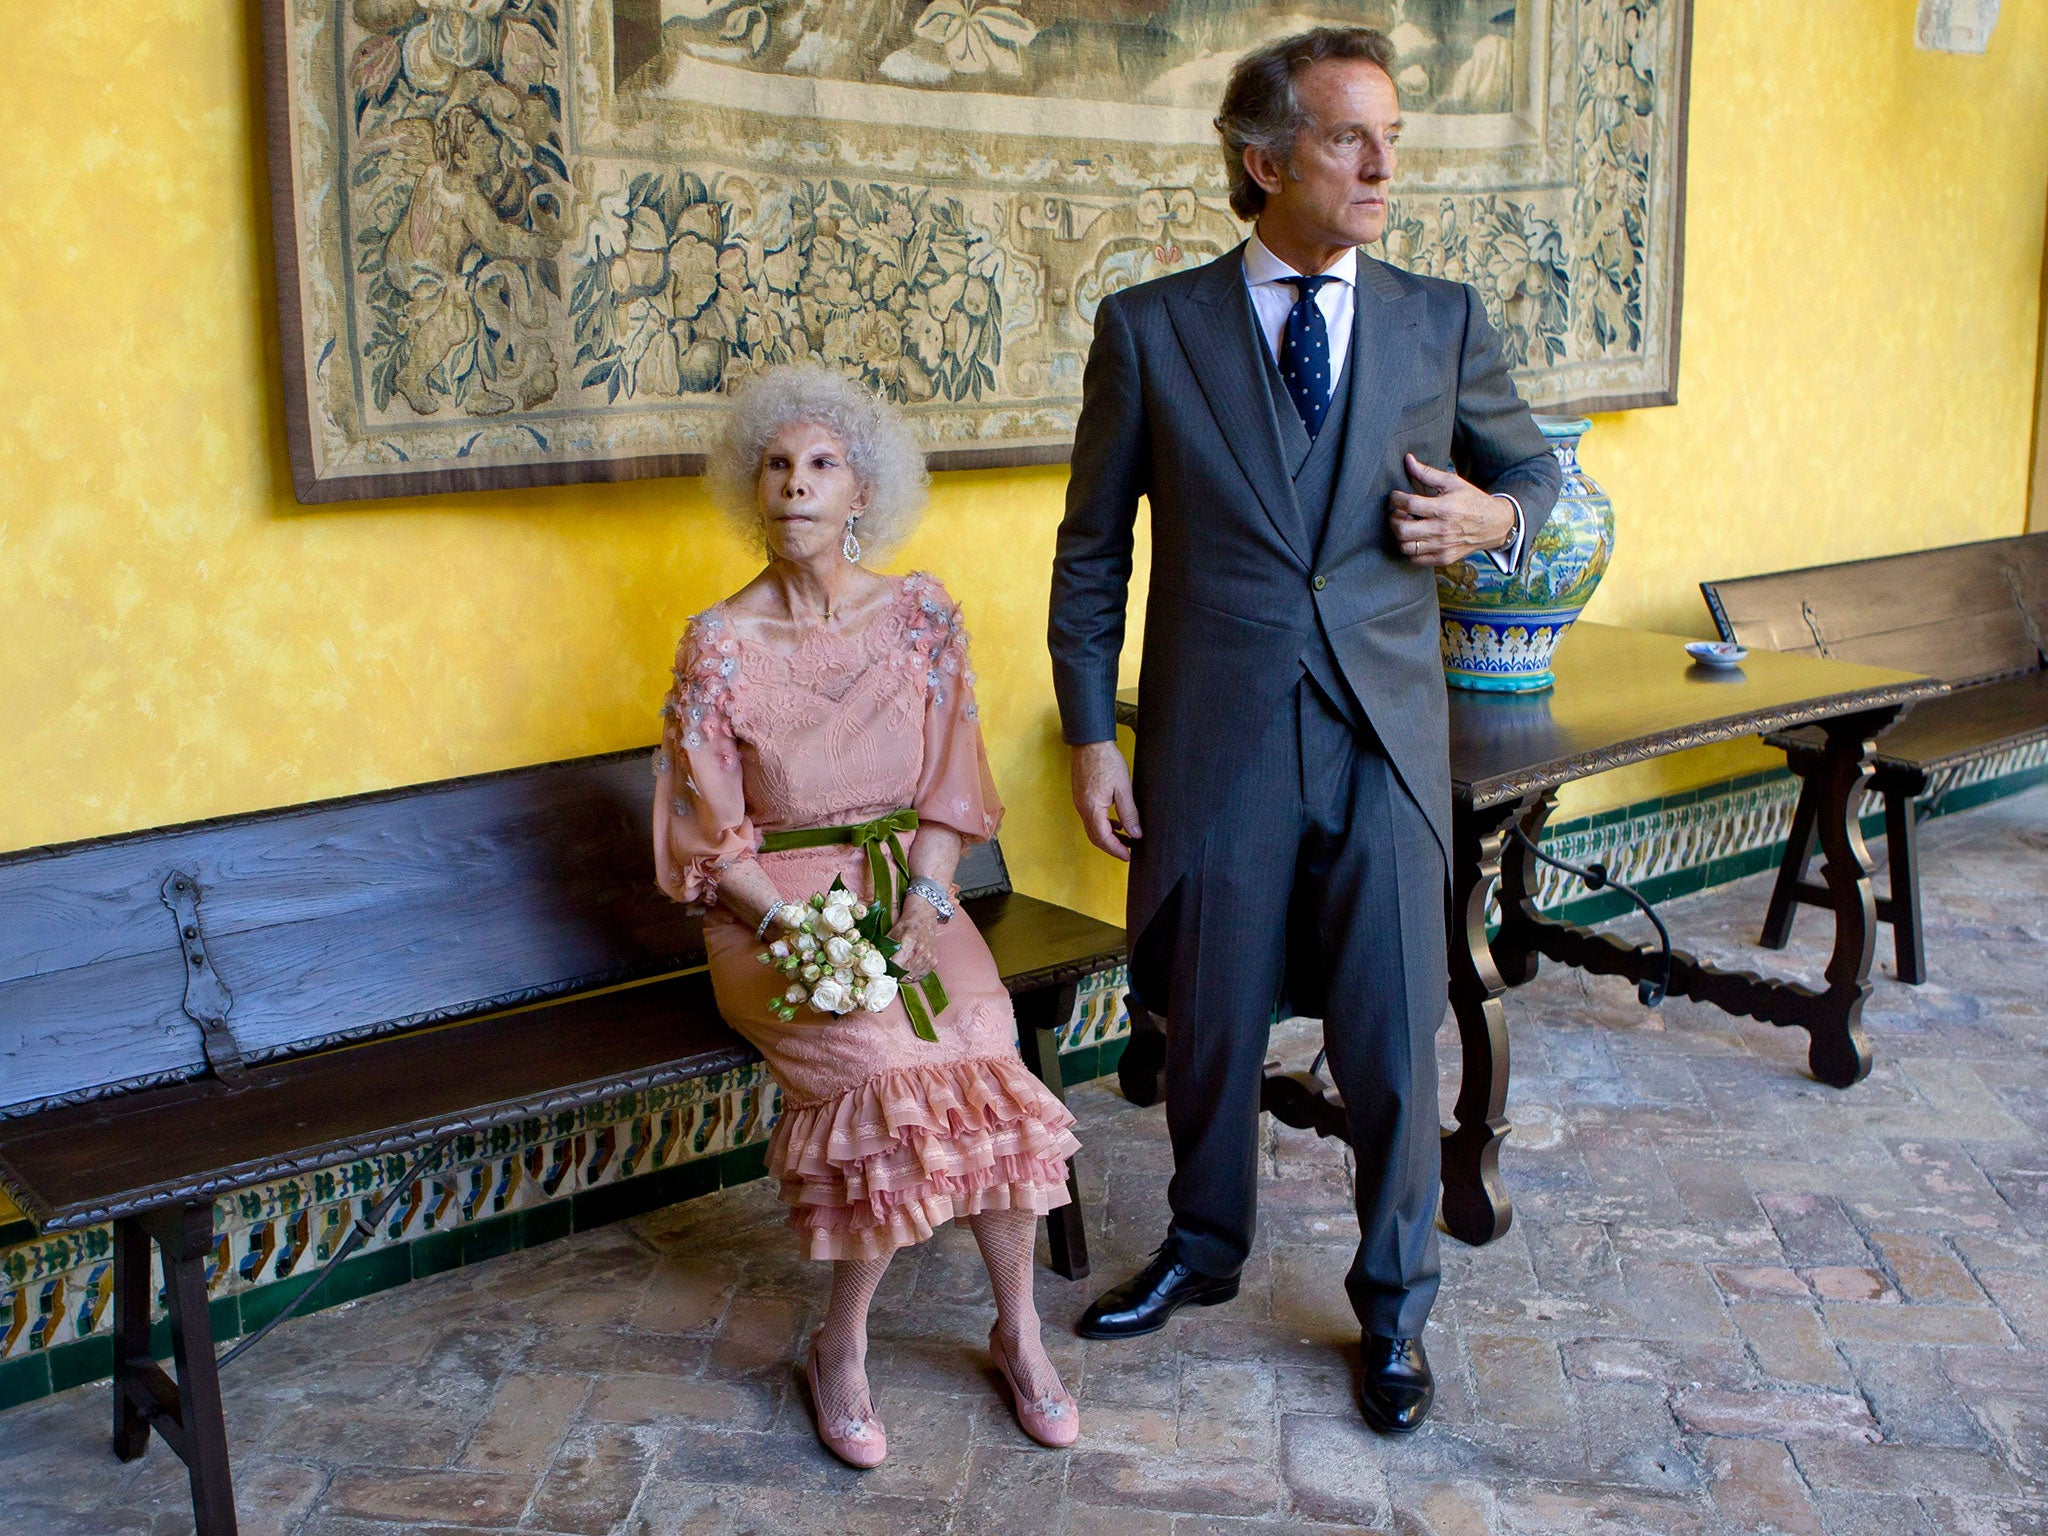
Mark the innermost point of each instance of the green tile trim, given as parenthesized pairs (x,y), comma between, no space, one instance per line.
(544,1223)
(489,1238)
(608,1203)
(24,1379)
(435,1253)
(743,1165)
(81,1360)
(1080,1065)
(356,1278)
(1991,789)
(1588,910)
(224,1313)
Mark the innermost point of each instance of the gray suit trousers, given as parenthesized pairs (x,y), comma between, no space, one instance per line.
(1366,901)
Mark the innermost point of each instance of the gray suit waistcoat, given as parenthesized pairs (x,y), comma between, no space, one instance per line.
(1313,465)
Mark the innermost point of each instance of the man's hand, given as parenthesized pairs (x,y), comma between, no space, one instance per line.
(1102,787)
(1448,517)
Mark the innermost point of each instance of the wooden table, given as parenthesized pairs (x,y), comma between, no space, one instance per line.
(1622,696)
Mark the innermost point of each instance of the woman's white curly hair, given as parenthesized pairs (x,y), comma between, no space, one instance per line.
(880,449)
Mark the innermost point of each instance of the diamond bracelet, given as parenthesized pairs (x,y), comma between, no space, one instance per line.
(767,918)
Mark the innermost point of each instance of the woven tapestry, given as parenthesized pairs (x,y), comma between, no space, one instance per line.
(531,241)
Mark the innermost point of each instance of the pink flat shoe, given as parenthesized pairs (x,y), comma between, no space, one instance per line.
(1053,1421)
(856,1439)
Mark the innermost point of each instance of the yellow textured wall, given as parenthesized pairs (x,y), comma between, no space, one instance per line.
(182,640)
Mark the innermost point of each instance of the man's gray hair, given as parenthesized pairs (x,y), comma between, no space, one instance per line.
(880,449)
(1262,110)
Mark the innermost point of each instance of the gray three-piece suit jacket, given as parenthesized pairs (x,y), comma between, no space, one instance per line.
(1178,406)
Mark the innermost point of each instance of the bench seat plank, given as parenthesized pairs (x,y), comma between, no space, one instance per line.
(1037,944)
(91,1162)
(1958,727)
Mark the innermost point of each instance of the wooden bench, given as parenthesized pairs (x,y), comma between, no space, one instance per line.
(1973,615)
(193,1010)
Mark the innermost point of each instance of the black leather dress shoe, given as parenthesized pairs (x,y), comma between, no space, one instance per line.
(1396,1389)
(1143,1303)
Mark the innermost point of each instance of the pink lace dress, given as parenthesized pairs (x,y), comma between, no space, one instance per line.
(883,1136)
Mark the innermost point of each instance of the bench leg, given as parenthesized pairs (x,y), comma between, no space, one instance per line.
(131,1338)
(1141,1068)
(186,1238)
(1039,1017)
(1902,846)
(1792,871)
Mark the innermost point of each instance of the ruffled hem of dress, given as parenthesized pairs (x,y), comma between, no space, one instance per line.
(882,1165)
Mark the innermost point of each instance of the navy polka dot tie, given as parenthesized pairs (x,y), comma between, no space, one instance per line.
(1305,353)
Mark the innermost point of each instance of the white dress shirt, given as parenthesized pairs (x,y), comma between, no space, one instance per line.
(1272,296)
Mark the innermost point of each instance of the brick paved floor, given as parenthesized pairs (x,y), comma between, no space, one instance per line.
(1732,1301)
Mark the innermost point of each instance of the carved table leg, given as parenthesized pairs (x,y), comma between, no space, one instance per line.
(1836,1050)
(1515,953)
(1040,1015)
(1475,1202)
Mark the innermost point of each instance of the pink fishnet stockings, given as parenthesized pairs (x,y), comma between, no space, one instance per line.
(1007,1240)
(843,1339)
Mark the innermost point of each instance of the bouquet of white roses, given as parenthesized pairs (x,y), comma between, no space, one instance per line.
(838,957)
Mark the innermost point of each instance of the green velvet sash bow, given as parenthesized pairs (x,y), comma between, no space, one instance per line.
(889,872)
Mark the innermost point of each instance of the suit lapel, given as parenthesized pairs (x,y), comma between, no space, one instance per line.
(1218,333)
(1377,364)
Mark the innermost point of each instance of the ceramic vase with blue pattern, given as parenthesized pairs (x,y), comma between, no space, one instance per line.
(1499,630)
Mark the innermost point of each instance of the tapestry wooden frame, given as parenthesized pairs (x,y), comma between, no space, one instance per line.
(495,267)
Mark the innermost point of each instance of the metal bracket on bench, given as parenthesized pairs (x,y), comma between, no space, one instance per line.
(207,999)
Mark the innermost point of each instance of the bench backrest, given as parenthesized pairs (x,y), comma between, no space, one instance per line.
(1963,614)
(331,923)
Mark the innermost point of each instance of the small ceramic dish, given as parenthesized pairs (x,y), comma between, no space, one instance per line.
(1716,653)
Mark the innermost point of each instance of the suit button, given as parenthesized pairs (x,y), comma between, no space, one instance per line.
(1319,583)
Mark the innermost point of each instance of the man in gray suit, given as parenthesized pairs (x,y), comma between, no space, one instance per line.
(1316,432)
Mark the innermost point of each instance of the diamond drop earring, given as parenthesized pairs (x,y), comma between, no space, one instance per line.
(851,548)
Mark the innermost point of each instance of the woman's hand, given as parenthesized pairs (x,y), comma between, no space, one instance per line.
(917,937)
(934,856)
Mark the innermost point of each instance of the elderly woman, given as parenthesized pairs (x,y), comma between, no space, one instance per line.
(822,696)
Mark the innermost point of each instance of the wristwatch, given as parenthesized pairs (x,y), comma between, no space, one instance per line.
(935,893)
